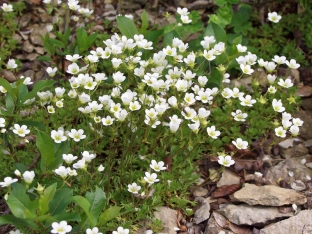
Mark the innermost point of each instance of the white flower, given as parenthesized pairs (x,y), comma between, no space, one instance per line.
(61,228)
(62,171)
(134,188)
(247,101)
(294,130)
(81,164)
(151,178)
(17,173)
(246,69)
(258,174)
(274,17)
(77,135)
(51,109)
(297,121)
(308,177)
(279,60)
(2,121)
(101,168)
(73,58)
(69,158)
(212,132)
(7,7)
(271,78)
(7,182)
(286,84)
(120,230)
(59,92)
(280,132)
(15,232)
(87,156)
(51,71)
(272,89)
(21,130)
(241,48)
(107,121)
(73,69)
(226,161)
(28,176)
(11,63)
(292,64)
(303,161)
(157,166)
(278,105)
(240,144)
(95,230)
(27,81)
(58,136)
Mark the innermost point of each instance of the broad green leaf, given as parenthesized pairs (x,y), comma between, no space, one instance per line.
(85,205)
(91,39)
(56,42)
(215,30)
(45,198)
(109,214)
(145,21)
(23,90)
(9,103)
(37,87)
(126,26)
(169,37)
(97,201)
(2,112)
(8,87)
(20,204)
(17,222)
(46,147)
(65,216)
(237,40)
(21,167)
(154,36)
(82,40)
(44,59)
(215,79)
(60,200)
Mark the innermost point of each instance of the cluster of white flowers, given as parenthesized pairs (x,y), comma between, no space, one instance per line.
(183,12)
(288,122)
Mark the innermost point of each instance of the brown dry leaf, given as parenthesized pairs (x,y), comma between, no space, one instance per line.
(304,91)
(250,166)
(225,190)
(35,1)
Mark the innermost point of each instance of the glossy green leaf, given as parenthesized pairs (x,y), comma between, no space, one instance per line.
(82,40)
(45,198)
(56,42)
(126,26)
(85,205)
(109,214)
(36,124)
(9,103)
(145,21)
(60,200)
(215,30)
(20,204)
(45,145)
(97,201)
(8,87)
(44,59)
(17,222)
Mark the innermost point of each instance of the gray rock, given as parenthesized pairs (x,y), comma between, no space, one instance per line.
(32,56)
(200,192)
(39,30)
(40,50)
(307,103)
(298,224)
(294,152)
(17,38)
(268,195)
(257,216)
(228,177)
(280,171)
(40,75)
(298,185)
(308,143)
(287,143)
(8,75)
(131,7)
(168,217)
(24,21)
(212,226)
(305,130)
(202,213)
(30,73)
(28,47)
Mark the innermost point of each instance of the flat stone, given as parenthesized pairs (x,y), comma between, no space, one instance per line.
(203,212)
(32,56)
(24,21)
(8,75)
(298,185)
(287,143)
(258,216)
(30,73)
(308,143)
(307,103)
(17,38)
(294,152)
(301,223)
(268,195)
(40,50)
(168,217)
(280,171)
(39,30)
(28,47)
(228,178)
(200,192)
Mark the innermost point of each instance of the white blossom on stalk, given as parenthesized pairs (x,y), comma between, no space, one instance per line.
(294,130)
(279,59)
(285,83)
(247,101)
(157,166)
(107,121)
(61,228)
(58,136)
(121,230)
(292,64)
(62,171)
(226,161)
(278,105)
(51,109)
(194,127)
(87,156)
(7,182)
(69,158)
(22,131)
(240,144)
(11,63)
(251,58)
(7,7)
(297,121)
(101,168)
(28,176)
(73,58)
(212,132)
(2,121)
(77,135)
(280,132)
(134,188)
(272,89)
(274,17)
(262,63)
(81,164)
(51,71)
(182,11)
(209,55)
(246,69)
(151,178)
(241,48)
(73,69)
(94,230)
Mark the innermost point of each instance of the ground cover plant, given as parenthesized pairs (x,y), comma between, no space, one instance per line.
(97,152)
